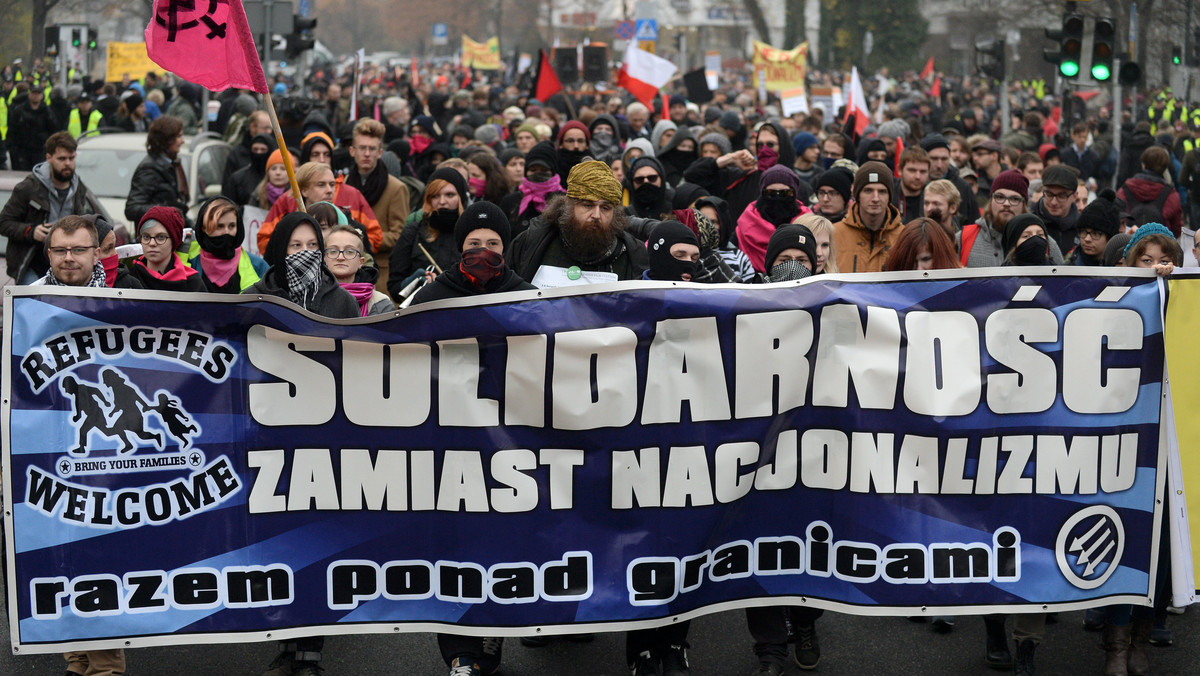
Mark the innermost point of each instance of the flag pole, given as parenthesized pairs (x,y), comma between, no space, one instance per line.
(287,156)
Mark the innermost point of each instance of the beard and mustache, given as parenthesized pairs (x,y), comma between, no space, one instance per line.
(587,241)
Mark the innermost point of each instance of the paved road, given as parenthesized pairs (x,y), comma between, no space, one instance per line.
(721,646)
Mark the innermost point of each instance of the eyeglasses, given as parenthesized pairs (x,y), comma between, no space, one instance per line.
(780,193)
(348,254)
(159,239)
(368,149)
(1091,234)
(75,251)
(643,180)
(1057,196)
(827,194)
(1013,200)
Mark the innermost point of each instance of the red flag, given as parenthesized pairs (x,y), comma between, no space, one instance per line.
(545,80)
(928,69)
(643,74)
(899,152)
(416,77)
(208,43)
(666,108)
(936,90)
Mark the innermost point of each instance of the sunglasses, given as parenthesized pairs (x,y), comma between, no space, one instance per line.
(643,180)
(781,194)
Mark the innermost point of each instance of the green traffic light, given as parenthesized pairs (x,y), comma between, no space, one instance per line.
(1069,68)
(1101,72)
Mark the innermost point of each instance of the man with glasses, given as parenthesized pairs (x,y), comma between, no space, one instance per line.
(1057,207)
(50,192)
(985,155)
(651,197)
(981,243)
(386,194)
(72,246)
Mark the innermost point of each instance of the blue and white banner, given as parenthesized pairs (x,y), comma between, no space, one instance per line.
(201,468)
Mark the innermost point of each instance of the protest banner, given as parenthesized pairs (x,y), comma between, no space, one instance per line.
(481,55)
(129,58)
(1183,324)
(781,69)
(590,459)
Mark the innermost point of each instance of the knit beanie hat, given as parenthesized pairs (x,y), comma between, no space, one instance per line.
(276,157)
(719,140)
(873,172)
(542,153)
(780,174)
(837,178)
(455,178)
(803,141)
(1143,232)
(482,215)
(729,120)
(1101,215)
(1013,180)
(1016,225)
(526,127)
(791,236)
(1114,251)
(172,220)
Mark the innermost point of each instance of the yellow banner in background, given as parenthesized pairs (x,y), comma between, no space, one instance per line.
(783,69)
(1180,331)
(129,58)
(481,55)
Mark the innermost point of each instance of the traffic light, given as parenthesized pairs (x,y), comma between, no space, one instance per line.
(1129,74)
(51,40)
(301,39)
(76,37)
(93,39)
(989,58)
(1104,39)
(1070,45)
(1193,51)
(1176,56)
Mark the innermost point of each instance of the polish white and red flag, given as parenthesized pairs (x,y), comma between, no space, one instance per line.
(644,74)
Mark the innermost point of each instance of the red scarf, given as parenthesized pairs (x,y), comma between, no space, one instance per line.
(177,272)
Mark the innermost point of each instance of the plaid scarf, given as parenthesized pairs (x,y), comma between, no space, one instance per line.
(303,270)
(97,280)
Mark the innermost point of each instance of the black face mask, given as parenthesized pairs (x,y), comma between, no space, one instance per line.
(647,196)
(259,161)
(539,175)
(668,268)
(221,246)
(443,220)
(1033,251)
(569,158)
(778,210)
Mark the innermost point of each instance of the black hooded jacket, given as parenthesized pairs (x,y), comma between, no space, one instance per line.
(676,161)
(331,299)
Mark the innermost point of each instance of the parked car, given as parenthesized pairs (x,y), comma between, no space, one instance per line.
(106,162)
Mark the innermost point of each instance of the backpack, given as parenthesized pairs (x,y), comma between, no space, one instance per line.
(1141,213)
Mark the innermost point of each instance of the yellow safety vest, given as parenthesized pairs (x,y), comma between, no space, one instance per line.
(3,119)
(74,126)
(246,274)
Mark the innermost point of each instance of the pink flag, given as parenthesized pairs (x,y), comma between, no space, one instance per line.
(207,42)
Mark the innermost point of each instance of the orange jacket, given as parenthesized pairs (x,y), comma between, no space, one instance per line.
(343,196)
(860,249)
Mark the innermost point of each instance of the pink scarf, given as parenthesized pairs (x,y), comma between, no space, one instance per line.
(536,193)
(362,292)
(220,270)
(273,193)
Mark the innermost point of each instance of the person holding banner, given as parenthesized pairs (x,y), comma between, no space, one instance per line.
(217,253)
(298,273)
(160,268)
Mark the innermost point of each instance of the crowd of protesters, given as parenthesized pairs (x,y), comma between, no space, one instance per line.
(441,184)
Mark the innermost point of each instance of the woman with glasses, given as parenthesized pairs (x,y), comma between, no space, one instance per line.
(296,253)
(159,268)
(344,256)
